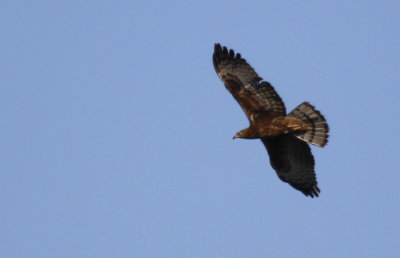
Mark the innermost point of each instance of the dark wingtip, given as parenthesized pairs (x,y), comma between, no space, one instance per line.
(221,53)
(224,52)
(217,56)
(217,48)
(218,51)
(312,192)
(231,54)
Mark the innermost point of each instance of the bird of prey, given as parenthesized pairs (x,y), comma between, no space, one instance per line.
(285,136)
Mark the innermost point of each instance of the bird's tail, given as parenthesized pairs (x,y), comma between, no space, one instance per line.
(318,135)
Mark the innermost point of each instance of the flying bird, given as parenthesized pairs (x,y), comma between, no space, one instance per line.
(285,136)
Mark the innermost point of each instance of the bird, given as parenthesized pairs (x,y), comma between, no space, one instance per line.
(286,137)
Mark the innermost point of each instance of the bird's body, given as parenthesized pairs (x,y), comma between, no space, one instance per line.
(285,136)
(262,125)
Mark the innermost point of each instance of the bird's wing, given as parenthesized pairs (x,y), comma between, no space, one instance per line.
(293,162)
(246,86)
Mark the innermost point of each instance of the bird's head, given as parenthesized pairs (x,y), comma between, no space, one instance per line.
(248,133)
(239,134)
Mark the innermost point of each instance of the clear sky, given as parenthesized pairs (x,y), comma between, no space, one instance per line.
(116,133)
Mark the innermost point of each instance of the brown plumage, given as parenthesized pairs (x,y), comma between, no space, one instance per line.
(285,136)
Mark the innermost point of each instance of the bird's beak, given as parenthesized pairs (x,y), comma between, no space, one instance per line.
(234,137)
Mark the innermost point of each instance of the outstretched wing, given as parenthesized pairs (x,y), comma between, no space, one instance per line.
(293,162)
(246,86)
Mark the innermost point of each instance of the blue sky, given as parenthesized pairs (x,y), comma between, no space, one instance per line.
(116,133)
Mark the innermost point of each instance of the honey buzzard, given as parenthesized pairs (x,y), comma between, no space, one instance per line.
(285,136)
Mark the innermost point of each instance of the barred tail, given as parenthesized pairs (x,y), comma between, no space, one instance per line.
(318,135)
